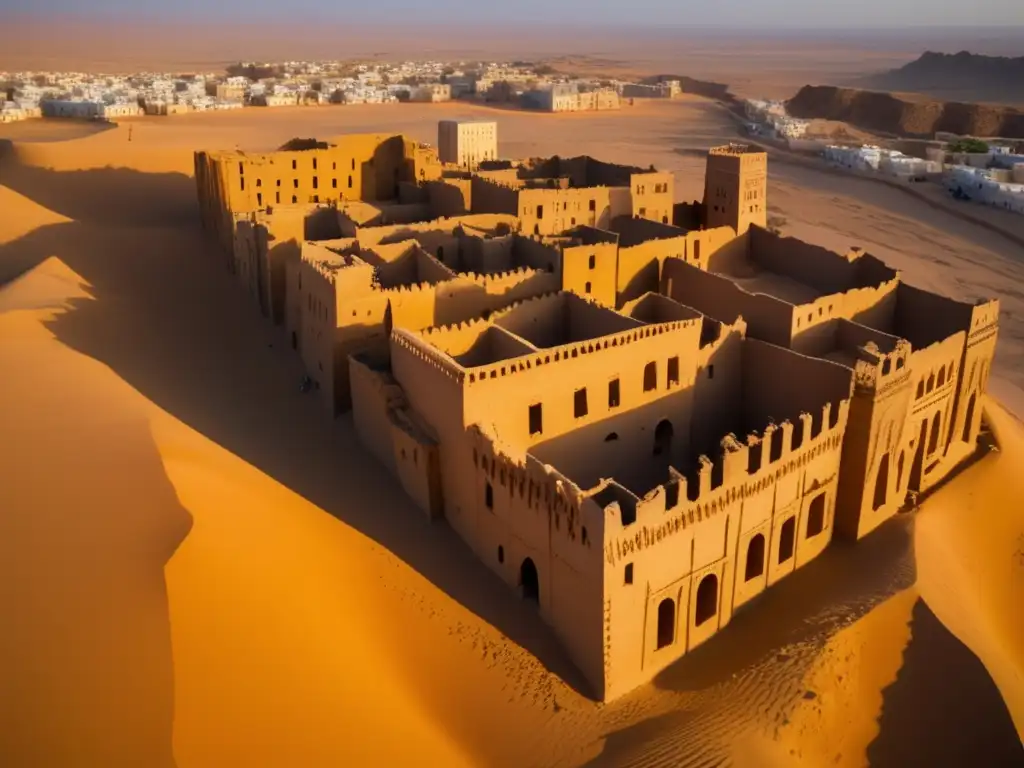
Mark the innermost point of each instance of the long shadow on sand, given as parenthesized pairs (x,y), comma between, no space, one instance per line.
(169,321)
(943,710)
(87,525)
(112,196)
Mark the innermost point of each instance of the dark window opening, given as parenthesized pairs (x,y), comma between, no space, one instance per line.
(933,441)
(536,419)
(755,558)
(277,198)
(350,182)
(316,182)
(295,199)
(611,437)
(628,577)
(920,390)
(711,371)
(586,288)
(663,438)
(529,581)
(242,182)
(673,371)
(259,198)
(787,538)
(501,554)
(593,205)
(579,403)
(314,163)
(707,600)
(294,165)
(666,622)
(489,495)
(816,516)
(650,377)
(613,393)
(968,420)
(540,211)
(593,260)
(334,183)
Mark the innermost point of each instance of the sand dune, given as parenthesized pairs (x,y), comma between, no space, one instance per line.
(198,570)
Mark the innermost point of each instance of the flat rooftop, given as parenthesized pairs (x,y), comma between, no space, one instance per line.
(778,286)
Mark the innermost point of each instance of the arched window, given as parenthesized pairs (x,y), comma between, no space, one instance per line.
(707,600)
(816,516)
(933,441)
(666,622)
(881,483)
(663,438)
(931,382)
(755,558)
(942,376)
(969,419)
(920,390)
(787,538)
(529,581)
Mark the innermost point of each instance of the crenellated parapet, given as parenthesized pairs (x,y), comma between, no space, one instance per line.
(436,359)
(538,487)
(744,470)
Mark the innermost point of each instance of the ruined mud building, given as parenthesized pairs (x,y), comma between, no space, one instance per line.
(605,425)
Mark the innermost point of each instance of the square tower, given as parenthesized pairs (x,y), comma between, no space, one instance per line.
(467,143)
(736,188)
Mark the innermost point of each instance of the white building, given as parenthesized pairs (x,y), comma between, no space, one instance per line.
(467,143)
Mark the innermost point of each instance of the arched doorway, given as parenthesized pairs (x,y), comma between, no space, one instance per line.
(755,558)
(816,516)
(666,622)
(969,419)
(529,582)
(663,438)
(881,483)
(707,600)
(787,538)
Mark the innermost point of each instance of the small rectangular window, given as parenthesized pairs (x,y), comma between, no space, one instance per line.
(711,371)
(673,371)
(536,419)
(489,496)
(613,393)
(293,165)
(540,211)
(593,260)
(650,377)
(593,205)
(242,182)
(586,288)
(629,574)
(580,403)
(334,183)
(316,182)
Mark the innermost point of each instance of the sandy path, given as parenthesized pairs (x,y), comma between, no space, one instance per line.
(203,570)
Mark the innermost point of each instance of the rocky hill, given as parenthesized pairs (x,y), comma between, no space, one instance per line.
(963,75)
(902,115)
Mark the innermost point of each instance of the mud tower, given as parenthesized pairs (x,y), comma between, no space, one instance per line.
(736,188)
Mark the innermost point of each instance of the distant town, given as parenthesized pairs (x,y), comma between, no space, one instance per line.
(300,83)
(988,171)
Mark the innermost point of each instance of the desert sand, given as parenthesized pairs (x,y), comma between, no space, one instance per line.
(199,569)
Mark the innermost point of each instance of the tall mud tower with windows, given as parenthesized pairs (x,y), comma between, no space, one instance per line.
(736,188)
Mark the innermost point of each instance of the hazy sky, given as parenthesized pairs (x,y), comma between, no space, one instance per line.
(682,13)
